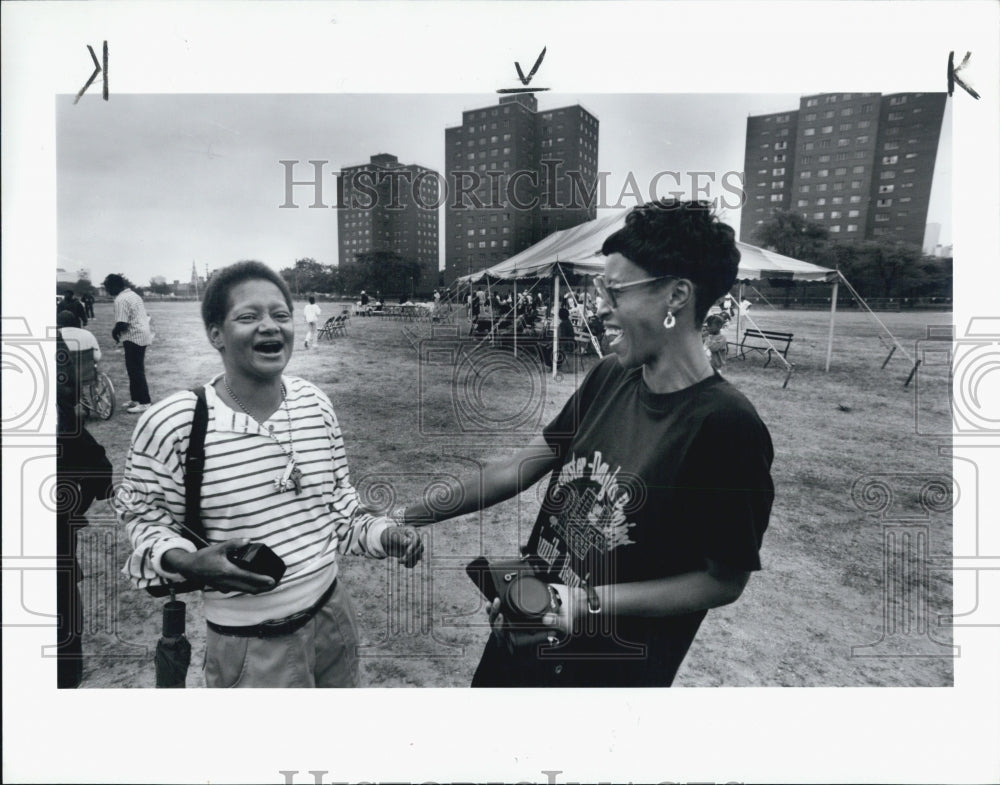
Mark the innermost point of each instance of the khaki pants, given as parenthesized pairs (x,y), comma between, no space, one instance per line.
(321,654)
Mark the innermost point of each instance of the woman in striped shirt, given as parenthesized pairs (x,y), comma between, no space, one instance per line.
(275,473)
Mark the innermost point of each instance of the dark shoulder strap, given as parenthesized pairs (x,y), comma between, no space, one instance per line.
(194,467)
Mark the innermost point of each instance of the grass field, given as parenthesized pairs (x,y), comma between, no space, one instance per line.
(861,515)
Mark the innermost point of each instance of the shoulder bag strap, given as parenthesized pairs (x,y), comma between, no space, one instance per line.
(194,467)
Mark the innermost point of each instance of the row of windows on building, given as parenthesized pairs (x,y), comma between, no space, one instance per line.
(815,101)
(493,153)
(833,98)
(587,123)
(472,232)
(492,244)
(828,129)
(585,169)
(860,154)
(422,241)
(427,187)
(365,226)
(481,142)
(824,144)
(778,197)
(853,199)
(847,111)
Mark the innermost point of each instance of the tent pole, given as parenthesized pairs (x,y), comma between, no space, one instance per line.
(739,314)
(489,296)
(555,323)
(833,314)
(888,332)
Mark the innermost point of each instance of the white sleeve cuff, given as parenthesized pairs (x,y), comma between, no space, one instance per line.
(159,548)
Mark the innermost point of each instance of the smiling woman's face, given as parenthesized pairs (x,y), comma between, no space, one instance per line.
(258,333)
(634,326)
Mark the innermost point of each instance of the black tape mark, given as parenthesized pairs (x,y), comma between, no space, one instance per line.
(954,78)
(98,69)
(526,80)
(522,89)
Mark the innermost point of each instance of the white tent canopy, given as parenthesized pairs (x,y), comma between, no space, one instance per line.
(578,250)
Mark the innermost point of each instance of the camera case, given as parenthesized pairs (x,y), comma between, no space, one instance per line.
(257,557)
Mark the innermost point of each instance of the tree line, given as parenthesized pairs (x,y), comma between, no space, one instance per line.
(384,272)
(881,267)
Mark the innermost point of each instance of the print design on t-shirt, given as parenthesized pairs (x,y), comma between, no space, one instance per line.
(590,521)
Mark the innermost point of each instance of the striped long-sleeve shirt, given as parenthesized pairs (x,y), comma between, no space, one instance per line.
(239,499)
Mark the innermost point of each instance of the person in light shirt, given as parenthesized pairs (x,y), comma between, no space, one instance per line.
(76,337)
(311,313)
(132,329)
(275,473)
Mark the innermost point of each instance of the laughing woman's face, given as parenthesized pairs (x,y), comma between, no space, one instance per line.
(258,333)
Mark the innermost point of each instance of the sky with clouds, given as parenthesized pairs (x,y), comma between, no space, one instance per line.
(148,184)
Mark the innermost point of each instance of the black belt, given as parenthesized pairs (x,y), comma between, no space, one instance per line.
(278,627)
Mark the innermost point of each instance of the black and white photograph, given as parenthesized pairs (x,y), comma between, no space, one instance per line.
(500,345)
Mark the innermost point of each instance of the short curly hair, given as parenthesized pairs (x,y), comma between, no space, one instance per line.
(114,284)
(215,303)
(683,239)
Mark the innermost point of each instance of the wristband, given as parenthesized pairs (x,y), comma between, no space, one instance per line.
(593,601)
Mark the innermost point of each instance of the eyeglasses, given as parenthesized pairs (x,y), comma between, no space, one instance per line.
(608,293)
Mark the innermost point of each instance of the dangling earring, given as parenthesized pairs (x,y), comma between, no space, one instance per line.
(669,322)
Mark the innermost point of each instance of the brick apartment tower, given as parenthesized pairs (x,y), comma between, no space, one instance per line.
(388,217)
(556,152)
(861,164)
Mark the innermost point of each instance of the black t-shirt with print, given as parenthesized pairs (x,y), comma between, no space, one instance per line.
(650,485)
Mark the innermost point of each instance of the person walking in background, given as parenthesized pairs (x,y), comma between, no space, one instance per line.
(74,306)
(311,312)
(715,342)
(88,304)
(132,330)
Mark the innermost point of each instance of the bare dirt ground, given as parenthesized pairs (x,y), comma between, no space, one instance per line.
(851,593)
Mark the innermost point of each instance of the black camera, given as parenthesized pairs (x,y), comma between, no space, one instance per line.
(257,557)
(524,597)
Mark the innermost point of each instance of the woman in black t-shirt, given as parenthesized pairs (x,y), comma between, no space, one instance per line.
(639,534)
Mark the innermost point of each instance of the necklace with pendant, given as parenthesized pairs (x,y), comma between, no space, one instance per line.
(291,477)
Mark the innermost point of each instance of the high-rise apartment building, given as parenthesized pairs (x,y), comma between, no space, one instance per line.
(860,164)
(391,207)
(515,175)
